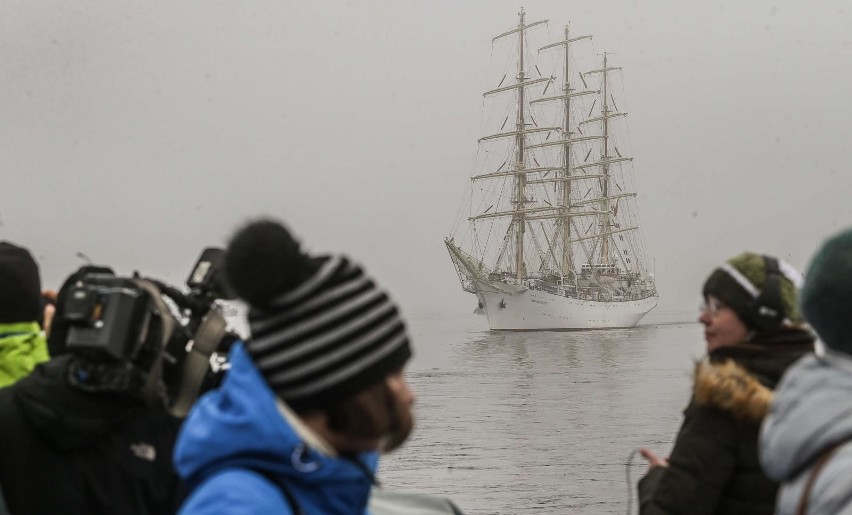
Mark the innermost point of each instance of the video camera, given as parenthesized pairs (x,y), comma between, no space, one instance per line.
(143,337)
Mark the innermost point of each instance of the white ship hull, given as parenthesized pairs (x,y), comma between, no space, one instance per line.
(535,310)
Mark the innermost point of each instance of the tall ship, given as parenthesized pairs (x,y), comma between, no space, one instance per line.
(548,236)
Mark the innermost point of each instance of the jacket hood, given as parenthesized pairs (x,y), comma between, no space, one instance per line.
(739,379)
(22,347)
(240,426)
(811,411)
(729,387)
(65,417)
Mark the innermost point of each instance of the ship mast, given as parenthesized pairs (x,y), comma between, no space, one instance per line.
(606,231)
(519,170)
(565,210)
(520,179)
(605,169)
(566,265)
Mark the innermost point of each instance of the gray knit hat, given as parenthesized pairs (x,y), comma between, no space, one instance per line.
(328,331)
(827,293)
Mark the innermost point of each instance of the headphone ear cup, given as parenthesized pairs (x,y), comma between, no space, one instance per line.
(767,310)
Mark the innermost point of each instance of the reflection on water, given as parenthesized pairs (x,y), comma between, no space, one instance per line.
(516,422)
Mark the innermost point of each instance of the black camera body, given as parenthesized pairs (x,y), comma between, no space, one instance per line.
(109,317)
(143,337)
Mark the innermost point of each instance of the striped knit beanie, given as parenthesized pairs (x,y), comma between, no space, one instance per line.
(322,330)
(740,280)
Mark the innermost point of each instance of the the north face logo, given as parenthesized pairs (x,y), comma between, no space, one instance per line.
(144,451)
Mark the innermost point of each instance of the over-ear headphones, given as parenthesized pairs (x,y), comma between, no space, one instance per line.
(767,309)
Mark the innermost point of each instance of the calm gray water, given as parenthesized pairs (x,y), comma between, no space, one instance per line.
(539,422)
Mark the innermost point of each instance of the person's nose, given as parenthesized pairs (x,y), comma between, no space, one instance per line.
(403,390)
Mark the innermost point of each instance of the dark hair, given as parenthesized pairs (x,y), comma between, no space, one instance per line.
(374,412)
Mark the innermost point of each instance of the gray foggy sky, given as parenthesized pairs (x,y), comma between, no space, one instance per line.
(140,132)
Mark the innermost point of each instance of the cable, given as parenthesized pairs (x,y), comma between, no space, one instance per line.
(627,466)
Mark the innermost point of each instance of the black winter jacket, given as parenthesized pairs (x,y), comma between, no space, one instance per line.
(713,467)
(66,451)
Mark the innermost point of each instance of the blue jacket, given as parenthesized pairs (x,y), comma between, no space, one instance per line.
(235,445)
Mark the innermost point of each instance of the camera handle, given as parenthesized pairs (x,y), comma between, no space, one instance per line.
(154,390)
(197,362)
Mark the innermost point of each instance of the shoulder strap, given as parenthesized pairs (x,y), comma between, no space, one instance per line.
(826,455)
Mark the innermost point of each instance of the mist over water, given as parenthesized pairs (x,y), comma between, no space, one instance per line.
(539,422)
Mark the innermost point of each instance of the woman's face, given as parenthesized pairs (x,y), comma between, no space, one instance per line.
(722,327)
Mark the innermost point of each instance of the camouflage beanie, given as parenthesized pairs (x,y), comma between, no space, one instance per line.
(827,293)
(741,279)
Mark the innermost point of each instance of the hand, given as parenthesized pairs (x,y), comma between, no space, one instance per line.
(49,310)
(653,459)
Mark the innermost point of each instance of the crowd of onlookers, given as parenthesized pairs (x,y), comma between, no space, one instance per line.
(318,392)
(295,426)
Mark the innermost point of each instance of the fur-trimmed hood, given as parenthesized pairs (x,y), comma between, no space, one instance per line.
(730,387)
(739,379)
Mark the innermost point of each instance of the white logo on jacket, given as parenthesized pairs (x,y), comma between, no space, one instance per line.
(144,451)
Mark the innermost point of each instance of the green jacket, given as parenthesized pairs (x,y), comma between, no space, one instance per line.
(22,347)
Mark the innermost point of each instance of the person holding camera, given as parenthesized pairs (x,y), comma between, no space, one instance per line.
(22,341)
(311,399)
(754,331)
(90,431)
